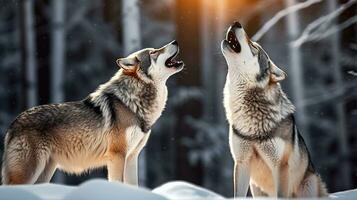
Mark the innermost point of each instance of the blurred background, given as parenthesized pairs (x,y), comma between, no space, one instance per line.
(61,50)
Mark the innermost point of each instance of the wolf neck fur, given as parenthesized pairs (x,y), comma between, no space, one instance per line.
(254,110)
(139,97)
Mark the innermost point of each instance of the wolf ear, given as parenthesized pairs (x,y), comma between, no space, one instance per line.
(128,64)
(276,74)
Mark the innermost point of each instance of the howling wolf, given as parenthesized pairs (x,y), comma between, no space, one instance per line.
(108,128)
(268,151)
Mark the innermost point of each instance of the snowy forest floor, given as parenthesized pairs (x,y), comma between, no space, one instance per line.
(104,190)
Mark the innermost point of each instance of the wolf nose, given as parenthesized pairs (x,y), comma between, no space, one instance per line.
(236,24)
(174,43)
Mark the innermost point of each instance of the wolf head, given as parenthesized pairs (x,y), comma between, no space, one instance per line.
(152,64)
(247,60)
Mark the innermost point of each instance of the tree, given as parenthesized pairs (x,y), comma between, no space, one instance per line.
(188,32)
(345,169)
(296,68)
(131,24)
(58,59)
(58,46)
(28,52)
(131,43)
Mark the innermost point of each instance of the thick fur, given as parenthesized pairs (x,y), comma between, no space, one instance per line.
(269,153)
(108,128)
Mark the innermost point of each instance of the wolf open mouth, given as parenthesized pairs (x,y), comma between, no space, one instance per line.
(171,62)
(232,40)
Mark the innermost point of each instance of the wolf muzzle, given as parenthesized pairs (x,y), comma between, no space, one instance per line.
(232,39)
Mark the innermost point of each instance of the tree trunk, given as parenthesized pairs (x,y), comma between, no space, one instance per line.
(188,34)
(58,60)
(345,168)
(213,67)
(208,65)
(131,26)
(131,43)
(42,51)
(296,71)
(221,66)
(28,53)
(58,50)
(214,72)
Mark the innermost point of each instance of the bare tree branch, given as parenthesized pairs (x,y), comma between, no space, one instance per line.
(267,26)
(353,73)
(257,8)
(332,94)
(340,27)
(318,29)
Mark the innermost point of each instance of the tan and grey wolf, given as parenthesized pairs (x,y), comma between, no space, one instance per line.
(269,153)
(108,128)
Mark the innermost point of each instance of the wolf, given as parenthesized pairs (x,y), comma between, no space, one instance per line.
(108,128)
(268,151)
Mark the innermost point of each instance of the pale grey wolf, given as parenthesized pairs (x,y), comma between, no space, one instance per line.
(269,153)
(108,128)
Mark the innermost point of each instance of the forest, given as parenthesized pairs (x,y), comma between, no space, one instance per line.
(54,51)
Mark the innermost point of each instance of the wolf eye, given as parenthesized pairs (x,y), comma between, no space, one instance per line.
(254,49)
(269,66)
(153,52)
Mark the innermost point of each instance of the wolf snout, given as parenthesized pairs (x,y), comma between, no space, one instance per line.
(236,25)
(174,43)
(173,50)
(172,47)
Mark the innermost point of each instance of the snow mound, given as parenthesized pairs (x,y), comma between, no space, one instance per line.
(91,190)
(350,194)
(185,191)
(35,192)
(104,190)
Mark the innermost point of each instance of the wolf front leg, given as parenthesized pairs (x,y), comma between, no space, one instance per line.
(241,179)
(241,151)
(131,162)
(279,191)
(116,168)
(272,152)
(256,191)
(131,170)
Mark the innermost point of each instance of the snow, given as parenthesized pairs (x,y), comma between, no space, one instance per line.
(185,191)
(104,190)
(91,190)
(350,194)
(35,192)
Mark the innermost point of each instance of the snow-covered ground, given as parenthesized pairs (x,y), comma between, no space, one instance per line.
(103,190)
